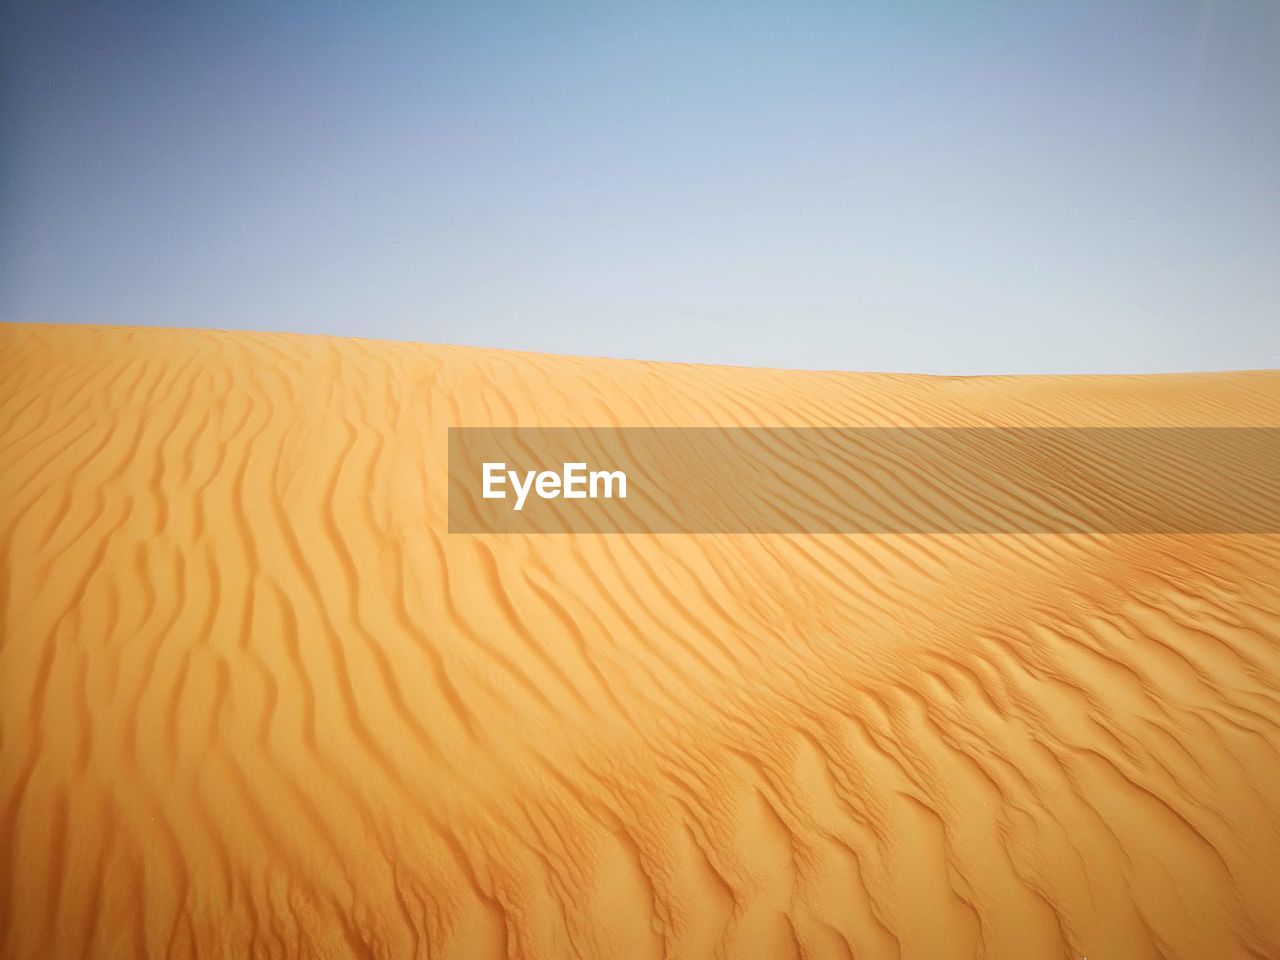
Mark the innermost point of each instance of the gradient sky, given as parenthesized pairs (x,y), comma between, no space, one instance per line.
(936,187)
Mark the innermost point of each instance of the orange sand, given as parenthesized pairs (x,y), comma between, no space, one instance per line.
(256,702)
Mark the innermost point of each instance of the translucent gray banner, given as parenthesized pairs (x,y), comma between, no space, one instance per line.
(865,480)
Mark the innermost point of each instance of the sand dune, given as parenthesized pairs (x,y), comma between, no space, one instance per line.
(255,701)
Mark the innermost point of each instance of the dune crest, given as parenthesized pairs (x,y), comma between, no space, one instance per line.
(255,701)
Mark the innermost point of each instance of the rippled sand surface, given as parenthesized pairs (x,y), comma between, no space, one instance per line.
(257,702)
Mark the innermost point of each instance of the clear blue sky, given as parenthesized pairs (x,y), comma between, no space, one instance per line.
(936,187)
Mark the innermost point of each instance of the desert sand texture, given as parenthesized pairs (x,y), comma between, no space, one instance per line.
(257,702)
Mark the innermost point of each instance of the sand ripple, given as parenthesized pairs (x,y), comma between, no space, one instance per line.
(256,702)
